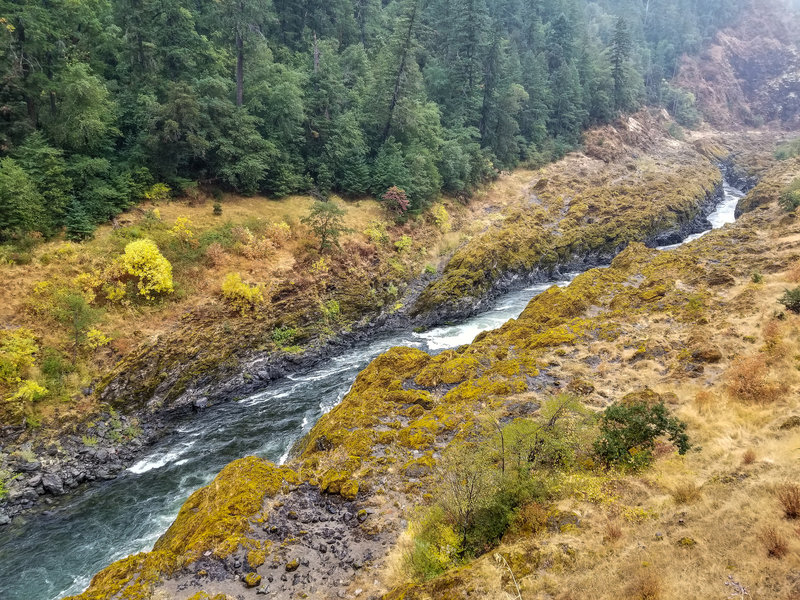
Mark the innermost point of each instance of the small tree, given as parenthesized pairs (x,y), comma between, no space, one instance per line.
(74,312)
(468,481)
(396,200)
(325,220)
(791,299)
(79,225)
(628,433)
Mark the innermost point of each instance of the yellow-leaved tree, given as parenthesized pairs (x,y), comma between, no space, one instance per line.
(144,261)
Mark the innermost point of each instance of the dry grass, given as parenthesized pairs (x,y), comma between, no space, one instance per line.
(748,379)
(774,542)
(645,584)
(705,401)
(749,457)
(685,492)
(788,495)
(612,531)
(793,274)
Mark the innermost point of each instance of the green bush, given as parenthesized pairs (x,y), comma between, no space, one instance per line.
(790,196)
(284,336)
(788,150)
(628,433)
(791,299)
(436,546)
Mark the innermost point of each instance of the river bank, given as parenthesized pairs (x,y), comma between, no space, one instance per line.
(234,417)
(672,320)
(97,449)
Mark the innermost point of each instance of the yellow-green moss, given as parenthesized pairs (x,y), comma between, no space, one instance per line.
(215,518)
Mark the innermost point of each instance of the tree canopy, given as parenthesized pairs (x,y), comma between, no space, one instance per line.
(102,98)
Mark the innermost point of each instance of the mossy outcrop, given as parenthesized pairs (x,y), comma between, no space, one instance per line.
(577,220)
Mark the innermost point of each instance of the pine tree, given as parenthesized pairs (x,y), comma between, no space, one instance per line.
(78,224)
(620,51)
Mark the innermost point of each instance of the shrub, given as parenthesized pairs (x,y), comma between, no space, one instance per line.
(774,542)
(251,246)
(790,196)
(395,200)
(279,233)
(436,547)
(17,350)
(283,336)
(704,400)
(143,261)
(791,299)
(789,496)
(158,192)
(215,254)
(747,379)
(404,243)
(29,391)
(181,230)
(757,277)
(376,232)
(628,433)
(749,457)
(73,311)
(788,150)
(685,492)
(217,209)
(239,295)
(97,339)
(644,585)
(612,531)
(441,218)
(332,310)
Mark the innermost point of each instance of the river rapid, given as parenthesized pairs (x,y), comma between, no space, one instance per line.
(51,555)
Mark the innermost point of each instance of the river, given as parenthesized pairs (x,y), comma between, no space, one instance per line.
(53,555)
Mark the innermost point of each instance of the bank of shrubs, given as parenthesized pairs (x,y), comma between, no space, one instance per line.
(495,483)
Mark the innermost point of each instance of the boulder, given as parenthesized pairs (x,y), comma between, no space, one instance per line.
(53,483)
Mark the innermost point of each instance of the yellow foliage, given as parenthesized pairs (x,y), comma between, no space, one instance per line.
(251,246)
(97,339)
(143,260)
(320,267)
(182,230)
(376,232)
(241,296)
(158,192)
(279,233)
(29,391)
(442,218)
(17,349)
(114,291)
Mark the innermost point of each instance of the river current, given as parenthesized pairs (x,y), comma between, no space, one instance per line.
(50,556)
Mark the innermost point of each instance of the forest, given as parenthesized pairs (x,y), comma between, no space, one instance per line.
(107,102)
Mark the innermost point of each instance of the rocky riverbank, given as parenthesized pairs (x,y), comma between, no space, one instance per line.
(684,322)
(105,446)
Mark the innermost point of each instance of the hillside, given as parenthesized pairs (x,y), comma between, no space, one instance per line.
(697,329)
(399,299)
(747,75)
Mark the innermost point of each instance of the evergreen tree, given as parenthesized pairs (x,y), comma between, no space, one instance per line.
(620,51)
(78,224)
(21,205)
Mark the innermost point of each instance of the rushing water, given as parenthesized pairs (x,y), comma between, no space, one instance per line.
(51,556)
(723,214)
